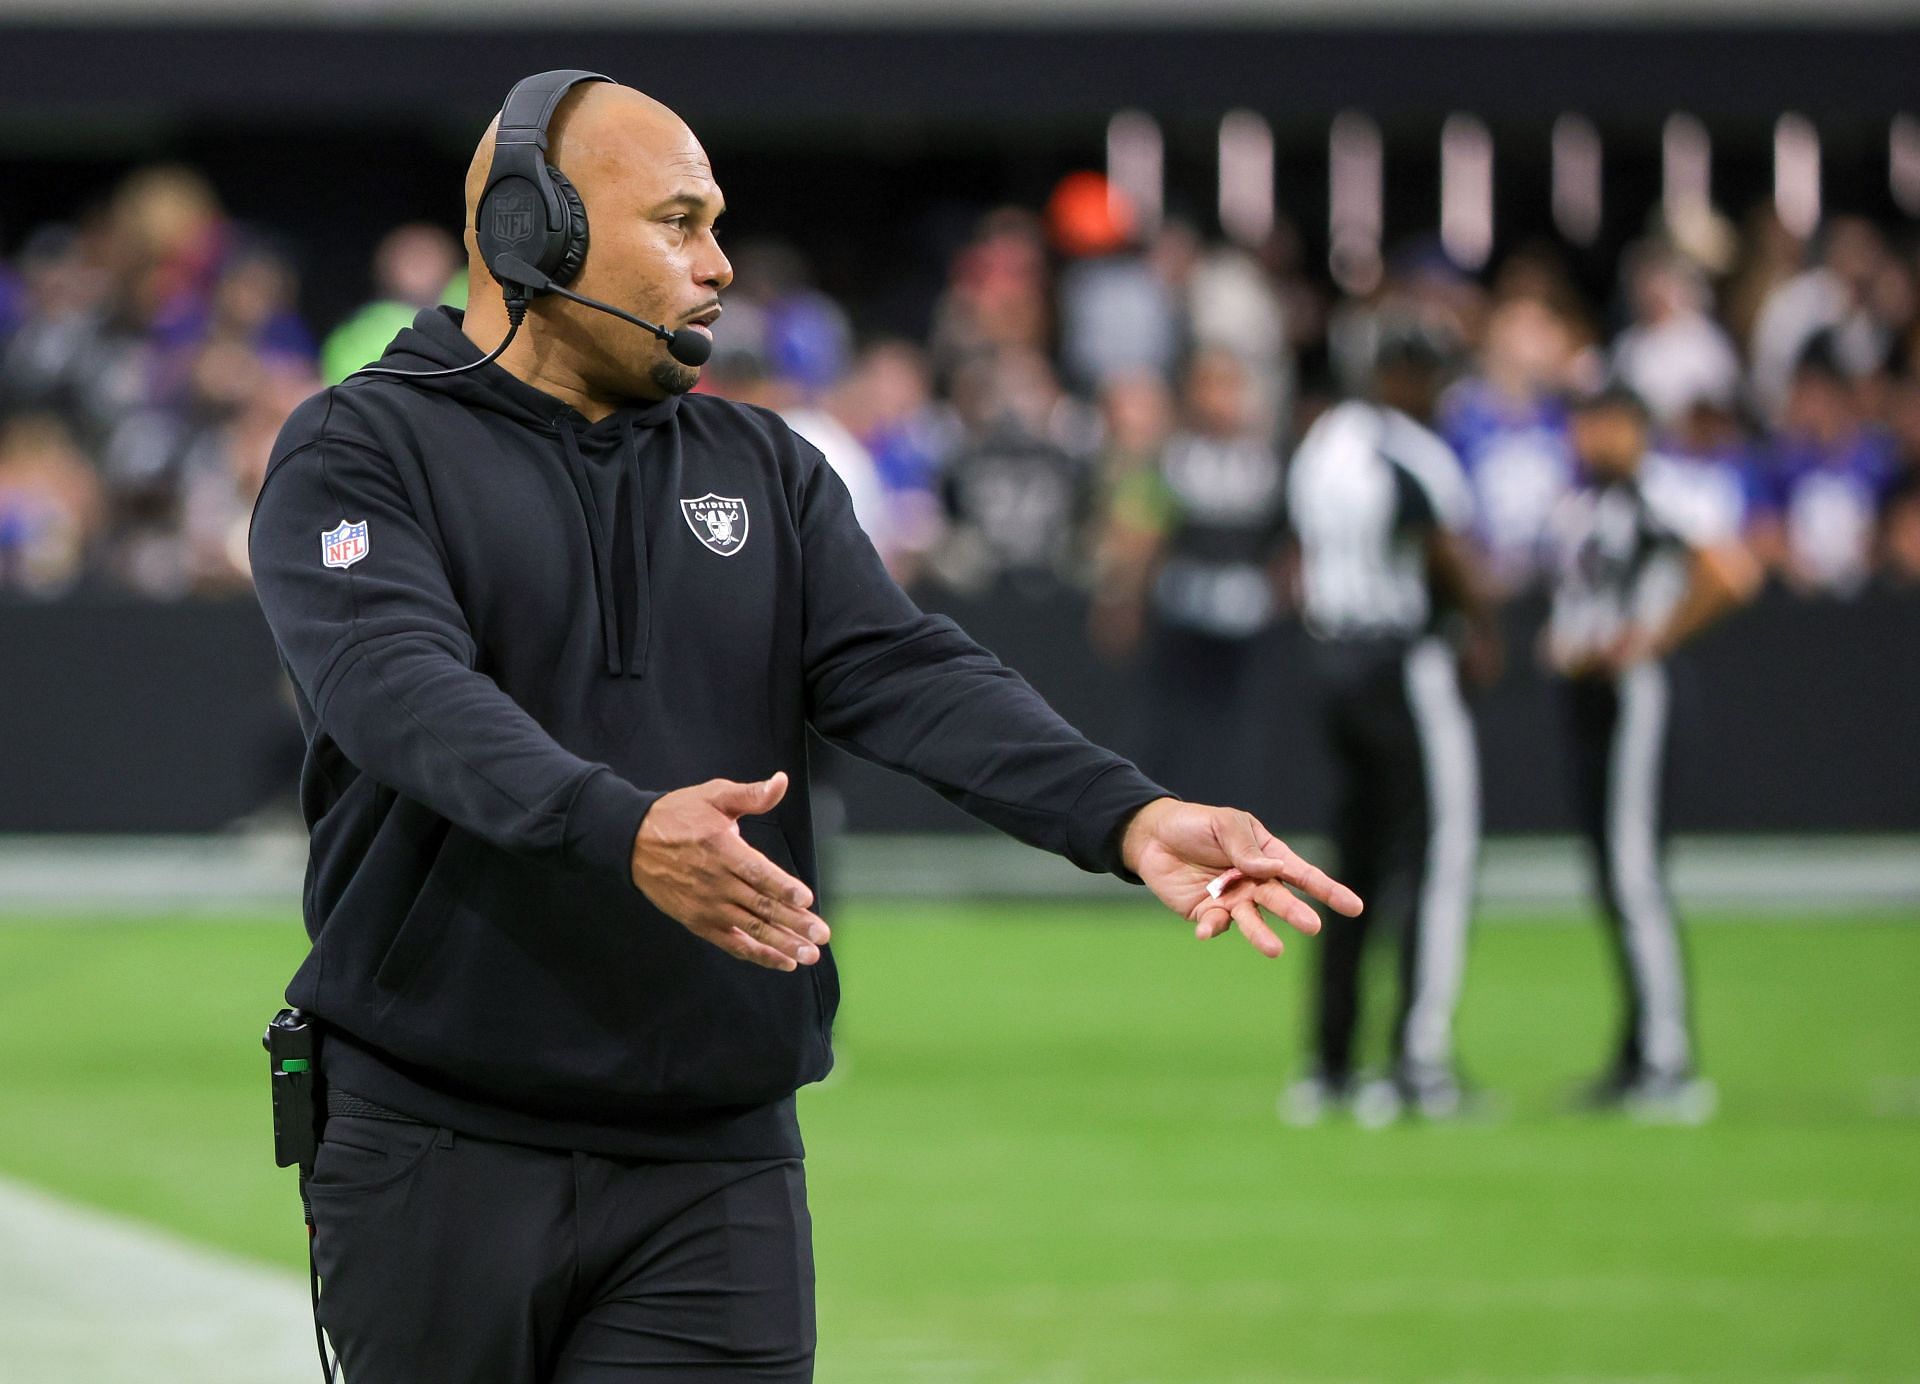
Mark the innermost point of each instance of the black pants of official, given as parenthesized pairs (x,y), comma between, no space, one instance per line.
(1618,728)
(1407,838)
(450,1260)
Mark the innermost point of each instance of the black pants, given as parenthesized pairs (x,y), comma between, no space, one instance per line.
(1407,837)
(450,1260)
(1618,729)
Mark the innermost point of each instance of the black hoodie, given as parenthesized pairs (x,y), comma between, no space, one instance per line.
(509,631)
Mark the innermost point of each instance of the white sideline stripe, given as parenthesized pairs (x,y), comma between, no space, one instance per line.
(90,1298)
(1633,807)
(1453,837)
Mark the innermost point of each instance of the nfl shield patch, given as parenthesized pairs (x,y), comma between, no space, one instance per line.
(718,522)
(345,545)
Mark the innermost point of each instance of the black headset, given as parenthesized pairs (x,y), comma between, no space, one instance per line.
(531,225)
(529,210)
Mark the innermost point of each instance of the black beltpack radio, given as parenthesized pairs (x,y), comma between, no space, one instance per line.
(290,1042)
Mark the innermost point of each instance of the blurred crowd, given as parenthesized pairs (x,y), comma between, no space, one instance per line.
(1095,401)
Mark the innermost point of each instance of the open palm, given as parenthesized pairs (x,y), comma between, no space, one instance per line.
(1178,849)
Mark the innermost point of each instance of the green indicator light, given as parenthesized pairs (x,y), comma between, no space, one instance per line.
(294,1064)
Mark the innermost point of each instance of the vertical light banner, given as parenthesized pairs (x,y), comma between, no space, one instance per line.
(1903,163)
(1355,202)
(1136,166)
(1796,174)
(1466,191)
(1246,178)
(1686,160)
(1576,179)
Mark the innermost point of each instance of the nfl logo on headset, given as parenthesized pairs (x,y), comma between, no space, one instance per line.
(513,215)
(345,545)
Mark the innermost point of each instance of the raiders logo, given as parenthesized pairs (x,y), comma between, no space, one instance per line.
(718,522)
(512,210)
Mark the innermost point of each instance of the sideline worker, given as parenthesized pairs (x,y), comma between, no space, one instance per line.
(558,629)
(1643,567)
(1380,510)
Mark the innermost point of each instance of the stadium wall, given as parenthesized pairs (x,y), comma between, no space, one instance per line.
(126,716)
(64,78)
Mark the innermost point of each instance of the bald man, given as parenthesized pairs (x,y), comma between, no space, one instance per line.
(558,628)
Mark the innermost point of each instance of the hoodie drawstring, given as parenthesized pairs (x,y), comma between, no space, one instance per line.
(602,547)
(642,604)
(602,534)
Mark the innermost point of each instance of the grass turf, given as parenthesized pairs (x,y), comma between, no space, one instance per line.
(1051,1156)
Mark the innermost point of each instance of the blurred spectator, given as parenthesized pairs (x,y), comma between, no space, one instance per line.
(1019,482)
(1509,428)
(414,266)
(886,401)
(51,507)
(1233,305)
(1830,474)
(53,351)
(804,335)
(1118,307)
(251,305)
(222,470)
(1674,355)
(997,294)
(166,239)
(1222,476)
(1136,506)
(1192,560)
(1709,458)
(1848,296)
(1770,254)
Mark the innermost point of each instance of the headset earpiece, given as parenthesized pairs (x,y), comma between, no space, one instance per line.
(572,243)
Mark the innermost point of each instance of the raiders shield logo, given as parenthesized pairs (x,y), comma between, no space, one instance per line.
(718,522)
(345,545)
(512,209)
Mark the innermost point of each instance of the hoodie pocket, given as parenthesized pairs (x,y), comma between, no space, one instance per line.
(420,930)
(766,837)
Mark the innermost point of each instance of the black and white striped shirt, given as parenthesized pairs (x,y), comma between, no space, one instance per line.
(1367,487)
(1623,553)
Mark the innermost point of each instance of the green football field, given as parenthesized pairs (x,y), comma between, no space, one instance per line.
(1051,1155)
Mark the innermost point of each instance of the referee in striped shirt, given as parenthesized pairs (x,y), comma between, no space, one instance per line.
(1641,567)
(1380,512)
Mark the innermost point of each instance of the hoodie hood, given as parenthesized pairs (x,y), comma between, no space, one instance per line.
(606,461)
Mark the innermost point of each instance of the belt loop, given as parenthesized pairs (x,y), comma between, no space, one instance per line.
(445,1140)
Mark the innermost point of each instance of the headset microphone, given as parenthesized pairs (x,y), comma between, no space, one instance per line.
(687,347)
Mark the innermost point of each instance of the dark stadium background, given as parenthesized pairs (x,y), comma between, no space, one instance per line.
(324,135)
(1051,1154)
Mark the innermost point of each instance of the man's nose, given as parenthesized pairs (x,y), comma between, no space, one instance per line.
(715,272)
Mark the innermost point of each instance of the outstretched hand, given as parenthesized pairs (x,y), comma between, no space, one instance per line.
(692,862)
(1178,848)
